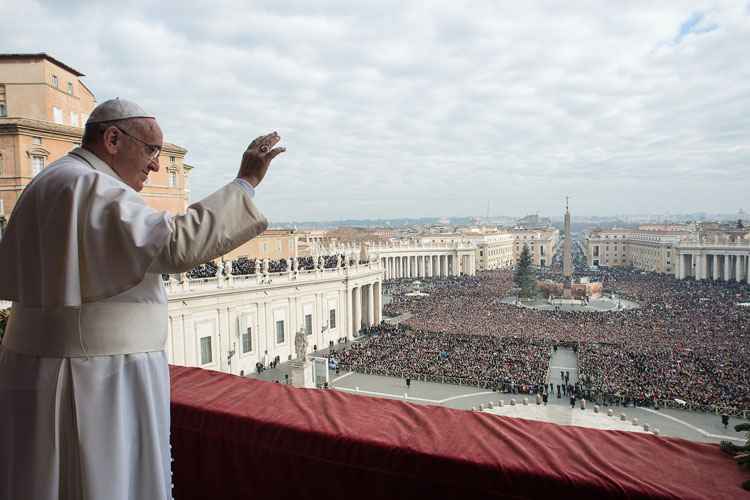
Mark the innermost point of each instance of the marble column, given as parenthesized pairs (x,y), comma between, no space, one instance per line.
(371,304)
(698,273)
(727,267)
(716,268)
(738,268)
(357,307)
(687,265)
(378,302)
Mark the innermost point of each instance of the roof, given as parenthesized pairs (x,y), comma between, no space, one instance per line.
(41,55)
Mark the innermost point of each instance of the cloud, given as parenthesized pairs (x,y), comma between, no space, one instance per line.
(391,109)
(695,24)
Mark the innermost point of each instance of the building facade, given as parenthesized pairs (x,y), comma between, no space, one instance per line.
(273,244)
(542,244)
(44,106)
(416,259)
(494,251)
(230,323)
(646,249)
(704,251)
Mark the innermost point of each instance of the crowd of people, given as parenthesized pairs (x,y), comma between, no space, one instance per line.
(687,342)
(245,266)
(502,363)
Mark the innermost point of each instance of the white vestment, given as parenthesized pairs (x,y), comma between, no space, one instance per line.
(84,382)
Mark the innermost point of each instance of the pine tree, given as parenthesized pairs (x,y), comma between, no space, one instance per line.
(525,276)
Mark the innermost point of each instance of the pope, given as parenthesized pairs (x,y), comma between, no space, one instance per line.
(84,381)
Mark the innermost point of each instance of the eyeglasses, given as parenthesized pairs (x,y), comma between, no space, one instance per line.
(152,150)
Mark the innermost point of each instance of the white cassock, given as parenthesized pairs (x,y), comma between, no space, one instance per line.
(84,382)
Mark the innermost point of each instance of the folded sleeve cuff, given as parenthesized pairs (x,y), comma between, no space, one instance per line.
(246,186)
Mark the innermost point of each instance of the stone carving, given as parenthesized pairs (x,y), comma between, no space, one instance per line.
(300,345)
(228,268)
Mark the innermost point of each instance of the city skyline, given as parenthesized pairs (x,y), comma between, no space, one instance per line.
(389,110)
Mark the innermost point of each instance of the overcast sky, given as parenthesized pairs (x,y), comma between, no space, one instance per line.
(390,109)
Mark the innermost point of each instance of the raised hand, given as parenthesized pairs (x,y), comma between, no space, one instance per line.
(257,158)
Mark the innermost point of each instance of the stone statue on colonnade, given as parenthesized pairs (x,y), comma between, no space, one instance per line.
(300,345)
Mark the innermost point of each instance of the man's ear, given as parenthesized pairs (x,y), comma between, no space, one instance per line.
(111,140)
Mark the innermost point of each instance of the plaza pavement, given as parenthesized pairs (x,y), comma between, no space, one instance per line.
(684,424)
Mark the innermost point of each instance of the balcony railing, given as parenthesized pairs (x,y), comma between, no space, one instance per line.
(182,284)
(235,438)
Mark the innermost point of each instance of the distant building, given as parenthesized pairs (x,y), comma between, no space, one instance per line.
(646,249)
(272,244)
(44,106)
(703,251)
(542,243)
(533,221)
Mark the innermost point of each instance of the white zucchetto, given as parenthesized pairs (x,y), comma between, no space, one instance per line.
(115,110)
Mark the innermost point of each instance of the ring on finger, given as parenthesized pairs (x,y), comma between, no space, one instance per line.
(264,148)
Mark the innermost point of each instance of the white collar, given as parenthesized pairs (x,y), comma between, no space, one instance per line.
(96,162)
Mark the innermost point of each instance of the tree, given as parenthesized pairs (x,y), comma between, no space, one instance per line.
(525,276)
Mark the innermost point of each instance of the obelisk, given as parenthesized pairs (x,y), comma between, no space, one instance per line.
(567,254)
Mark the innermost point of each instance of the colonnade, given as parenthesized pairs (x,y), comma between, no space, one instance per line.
(718,266)
(428,265)
(366,306)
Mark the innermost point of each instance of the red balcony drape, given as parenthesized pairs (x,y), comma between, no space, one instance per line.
(237,438)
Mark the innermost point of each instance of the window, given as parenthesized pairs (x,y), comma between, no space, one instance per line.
(247,342)
(70,88)
(57,115)
(37,164)
(171,159)
(1,174)
(55,81)
(206,352)
(172,179)
(279,331)
(332,319)
(3,110)
(308,324)
(74,118)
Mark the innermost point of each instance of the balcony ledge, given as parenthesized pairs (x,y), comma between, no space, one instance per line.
(234,437)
